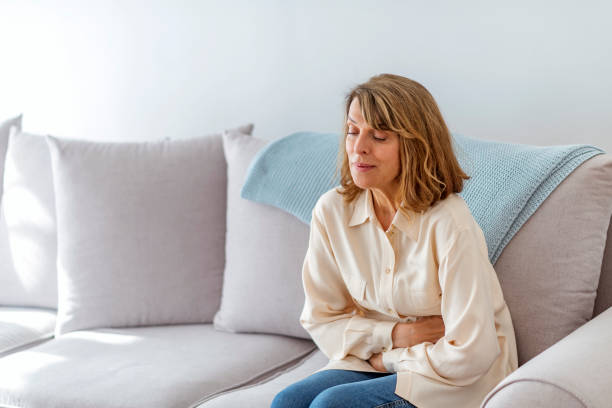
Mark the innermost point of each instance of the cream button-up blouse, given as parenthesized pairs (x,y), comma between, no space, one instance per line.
(360,280)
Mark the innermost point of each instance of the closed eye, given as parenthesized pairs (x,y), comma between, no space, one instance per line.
(352,131)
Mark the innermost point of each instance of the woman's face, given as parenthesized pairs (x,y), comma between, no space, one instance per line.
(373,154)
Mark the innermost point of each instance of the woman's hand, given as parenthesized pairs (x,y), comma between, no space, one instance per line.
(376,362)
(430,328)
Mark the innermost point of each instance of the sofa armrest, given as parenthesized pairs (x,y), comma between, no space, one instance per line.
(574,372)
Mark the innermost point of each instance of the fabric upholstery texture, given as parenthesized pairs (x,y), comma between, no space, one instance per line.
(165,367)
(28,223)
(578,365)
(265,249)
(141,231)
(22,326)
(550,270)
(5,131)
(7,271)
(8,277)
(262,393)
(604,290)
(534,394)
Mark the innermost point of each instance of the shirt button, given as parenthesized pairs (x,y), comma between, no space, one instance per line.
(389,310)
(388,270)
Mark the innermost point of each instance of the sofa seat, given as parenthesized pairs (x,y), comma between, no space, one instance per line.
(261,394)
(163,366)
(23,327)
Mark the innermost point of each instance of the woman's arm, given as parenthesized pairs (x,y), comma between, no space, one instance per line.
(429,328)
(470,345)
(329,314)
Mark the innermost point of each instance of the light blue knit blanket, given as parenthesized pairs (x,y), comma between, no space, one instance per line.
(508,181)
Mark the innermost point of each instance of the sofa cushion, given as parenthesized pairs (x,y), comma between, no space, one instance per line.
(21,327)
(550,270)
(265,249)
(141,231)
(28,220)
(164,366)
(261,393)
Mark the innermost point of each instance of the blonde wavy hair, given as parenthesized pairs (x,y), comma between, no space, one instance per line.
(429,169)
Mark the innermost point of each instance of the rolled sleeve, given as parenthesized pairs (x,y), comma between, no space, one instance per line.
(383,335)
(391,359)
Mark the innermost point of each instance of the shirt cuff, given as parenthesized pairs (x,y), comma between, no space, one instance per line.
(382,335)
(391,358)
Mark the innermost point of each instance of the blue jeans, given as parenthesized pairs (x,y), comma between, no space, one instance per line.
(341,389)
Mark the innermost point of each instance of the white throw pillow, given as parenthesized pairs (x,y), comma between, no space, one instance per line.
(27,214)
(265,250)
(5,130)
(28,217)
(8,281)
(141,231)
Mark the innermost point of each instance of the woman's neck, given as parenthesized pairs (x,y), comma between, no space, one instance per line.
(385,207)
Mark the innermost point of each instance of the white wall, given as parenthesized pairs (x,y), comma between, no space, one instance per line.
(523,71)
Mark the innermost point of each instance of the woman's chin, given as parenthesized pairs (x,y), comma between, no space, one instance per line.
(361,183)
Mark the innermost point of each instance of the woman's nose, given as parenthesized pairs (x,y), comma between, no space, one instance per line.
(361,143)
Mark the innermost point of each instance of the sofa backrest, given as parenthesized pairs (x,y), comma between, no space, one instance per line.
(604,290)
(551,269)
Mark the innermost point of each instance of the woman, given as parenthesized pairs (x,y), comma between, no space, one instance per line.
(400,293)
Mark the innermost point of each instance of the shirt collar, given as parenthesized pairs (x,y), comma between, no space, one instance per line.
(405,220)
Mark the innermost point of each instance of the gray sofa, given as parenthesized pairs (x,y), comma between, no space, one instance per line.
(556,274)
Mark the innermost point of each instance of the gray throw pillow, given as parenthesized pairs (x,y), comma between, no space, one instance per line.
(265,249)
(141,231)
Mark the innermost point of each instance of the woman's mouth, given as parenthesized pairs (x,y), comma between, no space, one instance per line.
(363,166)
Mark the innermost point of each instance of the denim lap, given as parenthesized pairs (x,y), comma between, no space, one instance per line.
(342,388)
